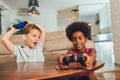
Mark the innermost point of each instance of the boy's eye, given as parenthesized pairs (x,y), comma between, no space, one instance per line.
(33,35)
(36,36)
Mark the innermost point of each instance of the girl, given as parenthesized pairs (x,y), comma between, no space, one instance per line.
(78,33)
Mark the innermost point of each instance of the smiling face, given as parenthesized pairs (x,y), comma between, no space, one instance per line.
(79,40)
(32,38)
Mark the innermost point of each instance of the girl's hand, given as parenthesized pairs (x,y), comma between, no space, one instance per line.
(61,67)
(88,62)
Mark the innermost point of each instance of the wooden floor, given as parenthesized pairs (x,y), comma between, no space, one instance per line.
(108,75)
(106,54)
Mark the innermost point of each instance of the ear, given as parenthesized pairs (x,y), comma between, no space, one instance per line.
(24,36)
(86,39)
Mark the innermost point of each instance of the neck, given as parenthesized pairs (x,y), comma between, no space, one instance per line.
(81,51)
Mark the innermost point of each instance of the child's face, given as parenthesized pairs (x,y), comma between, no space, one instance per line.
(32,38)
(78,40)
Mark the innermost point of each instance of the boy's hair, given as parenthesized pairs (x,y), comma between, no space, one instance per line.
(78,26)
(29,27)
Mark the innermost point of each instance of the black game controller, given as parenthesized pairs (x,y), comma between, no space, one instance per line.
(81,59)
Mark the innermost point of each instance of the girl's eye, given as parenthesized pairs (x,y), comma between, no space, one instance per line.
(73,39)
(80,38)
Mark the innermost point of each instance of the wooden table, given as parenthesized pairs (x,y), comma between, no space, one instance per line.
(38,70)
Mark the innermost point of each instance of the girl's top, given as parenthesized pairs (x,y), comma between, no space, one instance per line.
(25,54)
(87,52)
(86,49)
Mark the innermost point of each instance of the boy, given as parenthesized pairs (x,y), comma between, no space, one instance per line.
(33,36)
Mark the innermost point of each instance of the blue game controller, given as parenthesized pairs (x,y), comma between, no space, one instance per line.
(20,24)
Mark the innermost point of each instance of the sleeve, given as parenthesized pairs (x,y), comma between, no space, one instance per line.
(40,44)
(40,51)
(87,51)
(16,49)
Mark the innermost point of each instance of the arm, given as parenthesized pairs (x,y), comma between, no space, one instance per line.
(92,54)
(5,39)
(91,58)
(61,65)
(42,37)
(60,58)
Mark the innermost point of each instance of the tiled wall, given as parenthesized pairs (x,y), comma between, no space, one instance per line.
(115,15)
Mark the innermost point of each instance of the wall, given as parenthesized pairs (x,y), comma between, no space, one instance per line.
(47,18)
(91,20)
(88,17)
(66,17)
(115,14)
(7,19)
(103,11)
(105,19)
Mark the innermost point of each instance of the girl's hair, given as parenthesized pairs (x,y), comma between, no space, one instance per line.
(78,26)
(29,27)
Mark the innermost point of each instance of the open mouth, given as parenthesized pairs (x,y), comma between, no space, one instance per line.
(78,45)
(35,43)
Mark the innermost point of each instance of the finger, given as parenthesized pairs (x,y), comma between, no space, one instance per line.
(88,65)
(69,55)
(85,55)
(57,67)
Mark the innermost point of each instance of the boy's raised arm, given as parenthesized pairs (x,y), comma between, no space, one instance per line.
(6,39)
(42,37)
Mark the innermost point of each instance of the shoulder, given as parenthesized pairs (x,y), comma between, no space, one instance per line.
(40,44)
(90,44)
(20,48)
(92,50)
(17,49)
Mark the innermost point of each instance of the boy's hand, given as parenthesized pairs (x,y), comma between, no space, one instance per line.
(13,29)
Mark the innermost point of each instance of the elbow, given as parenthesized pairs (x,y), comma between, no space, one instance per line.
(43,30)
(6,43)
(3,39)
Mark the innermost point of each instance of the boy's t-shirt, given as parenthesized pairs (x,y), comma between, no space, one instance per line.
(25,54)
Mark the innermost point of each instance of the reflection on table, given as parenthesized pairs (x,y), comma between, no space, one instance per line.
(38,70)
